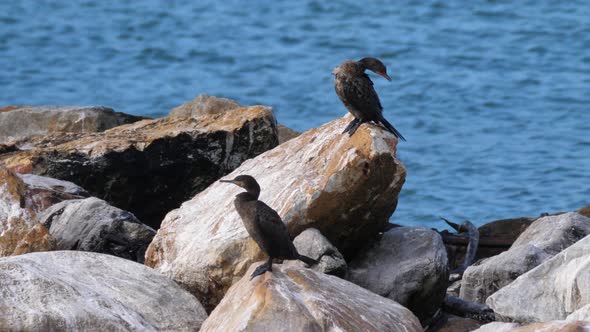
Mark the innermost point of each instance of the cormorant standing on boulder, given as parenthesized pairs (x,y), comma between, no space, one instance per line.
(356,91)
(264,225)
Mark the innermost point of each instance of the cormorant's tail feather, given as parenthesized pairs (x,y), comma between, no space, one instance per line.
(391,128)
(307,260)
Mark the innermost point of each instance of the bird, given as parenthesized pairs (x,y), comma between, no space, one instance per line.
(264,225)
(355,90)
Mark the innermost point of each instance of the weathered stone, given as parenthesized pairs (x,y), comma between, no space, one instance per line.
(151,166)
(484,278)
(22,121)
(581,314)
(555,233)
(346,187)
(286,133)
(408,265)
(457,324)
(585,211)
(81,291)
(551,291)
(203,104)
(20,230)
(92,224)
(43,192)
(553,326)
(293,299)
(312,243)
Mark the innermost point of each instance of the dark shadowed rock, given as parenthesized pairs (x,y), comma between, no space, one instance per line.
(92,224)
(408,265)
(312,243)
(150,167)
(19,122)
(43,192)
(292,299)
(82,291)
(286,133)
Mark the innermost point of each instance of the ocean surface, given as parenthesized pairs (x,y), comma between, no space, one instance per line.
(493,96)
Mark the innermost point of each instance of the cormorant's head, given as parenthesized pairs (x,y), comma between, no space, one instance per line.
(376,66)
(247,182)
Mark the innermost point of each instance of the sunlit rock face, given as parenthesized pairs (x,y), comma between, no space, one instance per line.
(20,230)
(294,299)
(346,187)
(84,291)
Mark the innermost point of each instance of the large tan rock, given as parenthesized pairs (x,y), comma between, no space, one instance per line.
(552,326)
(20,230)
(346,187)
(150,167)
(292,299)
(18,122)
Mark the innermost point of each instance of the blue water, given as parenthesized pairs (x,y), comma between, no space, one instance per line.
(493,96)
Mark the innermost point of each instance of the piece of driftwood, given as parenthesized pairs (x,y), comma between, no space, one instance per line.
(473,242)
(460,307)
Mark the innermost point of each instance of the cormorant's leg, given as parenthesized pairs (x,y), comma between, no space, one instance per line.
(262,268)
(355,127)
(350,125)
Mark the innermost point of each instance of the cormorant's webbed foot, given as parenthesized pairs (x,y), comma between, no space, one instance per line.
(350,125)
(355,125)
(262,269)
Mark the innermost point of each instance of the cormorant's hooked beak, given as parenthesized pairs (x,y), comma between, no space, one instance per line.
(384,75)
(230,181)
(457,227)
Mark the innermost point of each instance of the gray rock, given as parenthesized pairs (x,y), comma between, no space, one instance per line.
(581,314)
(408,265)
(555,233)
(551,291)
(552,326)
(23,121)
(312,243)
(81,291)
(92,224)
(43,192)
(203,104)
(485,277)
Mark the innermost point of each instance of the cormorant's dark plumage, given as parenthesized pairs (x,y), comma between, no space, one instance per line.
(264,225)
(356,91)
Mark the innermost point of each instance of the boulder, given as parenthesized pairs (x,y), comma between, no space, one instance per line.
(205,104)
(151,166)
(585,211)
(484,278)
(456,324)
(408,265)
(293,299)
(555,233)
(82,291)
(43,192)
(20,230)
(312,243)
(346,187)
(92,224)
(553,326)
(581,314)
(18,122)
(551,291)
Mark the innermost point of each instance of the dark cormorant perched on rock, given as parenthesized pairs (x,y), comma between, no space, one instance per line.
(264,225)
(356,91)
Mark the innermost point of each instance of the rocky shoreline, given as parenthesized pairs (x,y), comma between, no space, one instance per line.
(88,196)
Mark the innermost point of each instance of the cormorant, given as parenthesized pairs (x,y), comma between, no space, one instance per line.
(356,91)
(264,225)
